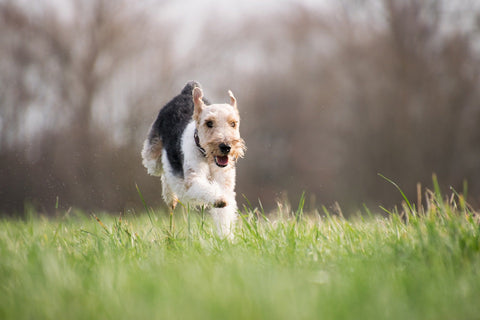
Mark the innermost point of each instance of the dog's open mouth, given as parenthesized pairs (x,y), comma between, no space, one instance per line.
(221,161)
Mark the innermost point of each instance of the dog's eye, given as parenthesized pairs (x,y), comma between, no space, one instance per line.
(209,124)
(233,124)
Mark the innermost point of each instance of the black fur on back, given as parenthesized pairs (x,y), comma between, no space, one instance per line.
(170,124)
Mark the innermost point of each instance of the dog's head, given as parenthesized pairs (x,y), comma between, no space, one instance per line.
(218,129)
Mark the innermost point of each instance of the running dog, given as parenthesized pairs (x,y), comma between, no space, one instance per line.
(194,146)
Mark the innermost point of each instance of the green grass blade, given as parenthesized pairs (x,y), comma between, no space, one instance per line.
(410,207)
(147,210)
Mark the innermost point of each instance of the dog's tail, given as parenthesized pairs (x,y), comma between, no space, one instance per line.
(188,89)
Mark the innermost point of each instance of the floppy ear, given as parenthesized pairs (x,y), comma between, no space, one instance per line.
(233,101)
(197,102)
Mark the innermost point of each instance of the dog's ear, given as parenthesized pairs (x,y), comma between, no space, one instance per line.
(233,101)
(198,102)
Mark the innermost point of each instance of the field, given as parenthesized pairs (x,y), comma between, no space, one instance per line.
(408,264)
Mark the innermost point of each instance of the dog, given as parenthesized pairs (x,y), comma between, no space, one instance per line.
(193,146)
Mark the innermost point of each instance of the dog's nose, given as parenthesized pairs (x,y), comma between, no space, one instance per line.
(224,148)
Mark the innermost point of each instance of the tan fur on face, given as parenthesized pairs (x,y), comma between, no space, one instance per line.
(225,122)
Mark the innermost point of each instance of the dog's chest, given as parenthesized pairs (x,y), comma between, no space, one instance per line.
(224,177)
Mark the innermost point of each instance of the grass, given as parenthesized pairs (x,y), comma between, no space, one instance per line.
(417,263)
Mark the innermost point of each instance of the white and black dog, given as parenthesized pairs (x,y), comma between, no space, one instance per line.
(198,145)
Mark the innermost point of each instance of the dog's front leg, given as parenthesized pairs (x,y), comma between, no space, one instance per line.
(209,193)
(225,219)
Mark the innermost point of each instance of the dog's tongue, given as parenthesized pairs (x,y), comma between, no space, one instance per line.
(222,160)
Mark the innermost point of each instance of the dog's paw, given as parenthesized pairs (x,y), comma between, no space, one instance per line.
(220,203)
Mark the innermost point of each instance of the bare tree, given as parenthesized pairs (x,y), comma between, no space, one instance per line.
(58,129)
(386,87)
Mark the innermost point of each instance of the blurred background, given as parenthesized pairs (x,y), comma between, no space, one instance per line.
(330,94)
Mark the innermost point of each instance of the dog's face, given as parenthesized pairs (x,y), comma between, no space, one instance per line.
(218,129)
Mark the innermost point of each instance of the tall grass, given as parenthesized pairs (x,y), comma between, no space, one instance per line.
(419,262)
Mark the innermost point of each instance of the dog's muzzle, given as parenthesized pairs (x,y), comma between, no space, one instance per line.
(222,161)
